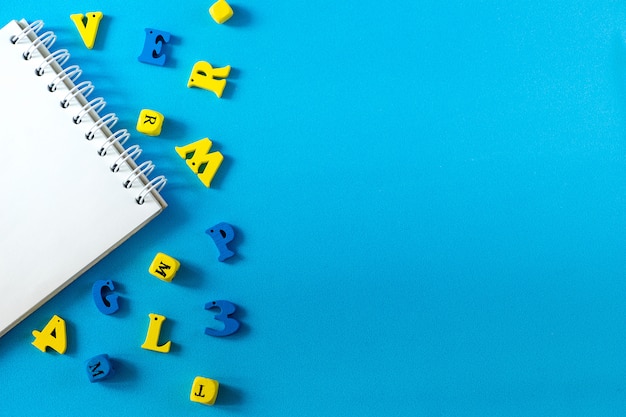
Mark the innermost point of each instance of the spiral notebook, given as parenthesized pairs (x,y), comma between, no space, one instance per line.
(71,191)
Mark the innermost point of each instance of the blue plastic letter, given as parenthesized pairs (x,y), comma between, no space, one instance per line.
(152,47)
(108,304)
(222,233)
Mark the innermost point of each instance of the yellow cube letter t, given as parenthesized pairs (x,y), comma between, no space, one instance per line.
(204,390)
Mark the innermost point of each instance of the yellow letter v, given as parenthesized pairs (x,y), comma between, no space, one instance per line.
(87,32)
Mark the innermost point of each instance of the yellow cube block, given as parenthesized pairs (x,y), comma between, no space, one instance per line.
(204,390)
(221,11)
(164,267)
(150,122)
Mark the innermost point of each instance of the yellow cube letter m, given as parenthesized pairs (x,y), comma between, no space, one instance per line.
(200,161)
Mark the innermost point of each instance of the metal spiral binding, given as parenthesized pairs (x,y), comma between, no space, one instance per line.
(85,88)
(96,105)
(109,120)
(32,28)
(71,73)
(79,92)
(157,184)
(60,56)
(47,39)
(145,168)
(130,153)
(121,136)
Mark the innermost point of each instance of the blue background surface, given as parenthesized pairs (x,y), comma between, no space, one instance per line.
(429,200)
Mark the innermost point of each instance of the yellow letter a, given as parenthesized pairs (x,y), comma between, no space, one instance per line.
(87,32)
(53,335)
(200,161)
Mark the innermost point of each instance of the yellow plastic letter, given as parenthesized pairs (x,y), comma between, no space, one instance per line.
(202,76)
(87,31)
(200,161)
(152,338)
(53,336)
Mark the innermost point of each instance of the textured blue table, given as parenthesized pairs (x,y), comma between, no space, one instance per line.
(429,199)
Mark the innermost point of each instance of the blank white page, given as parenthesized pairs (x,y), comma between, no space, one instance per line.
(61,207)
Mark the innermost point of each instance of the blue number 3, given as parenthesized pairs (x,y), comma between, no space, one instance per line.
(226,309)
